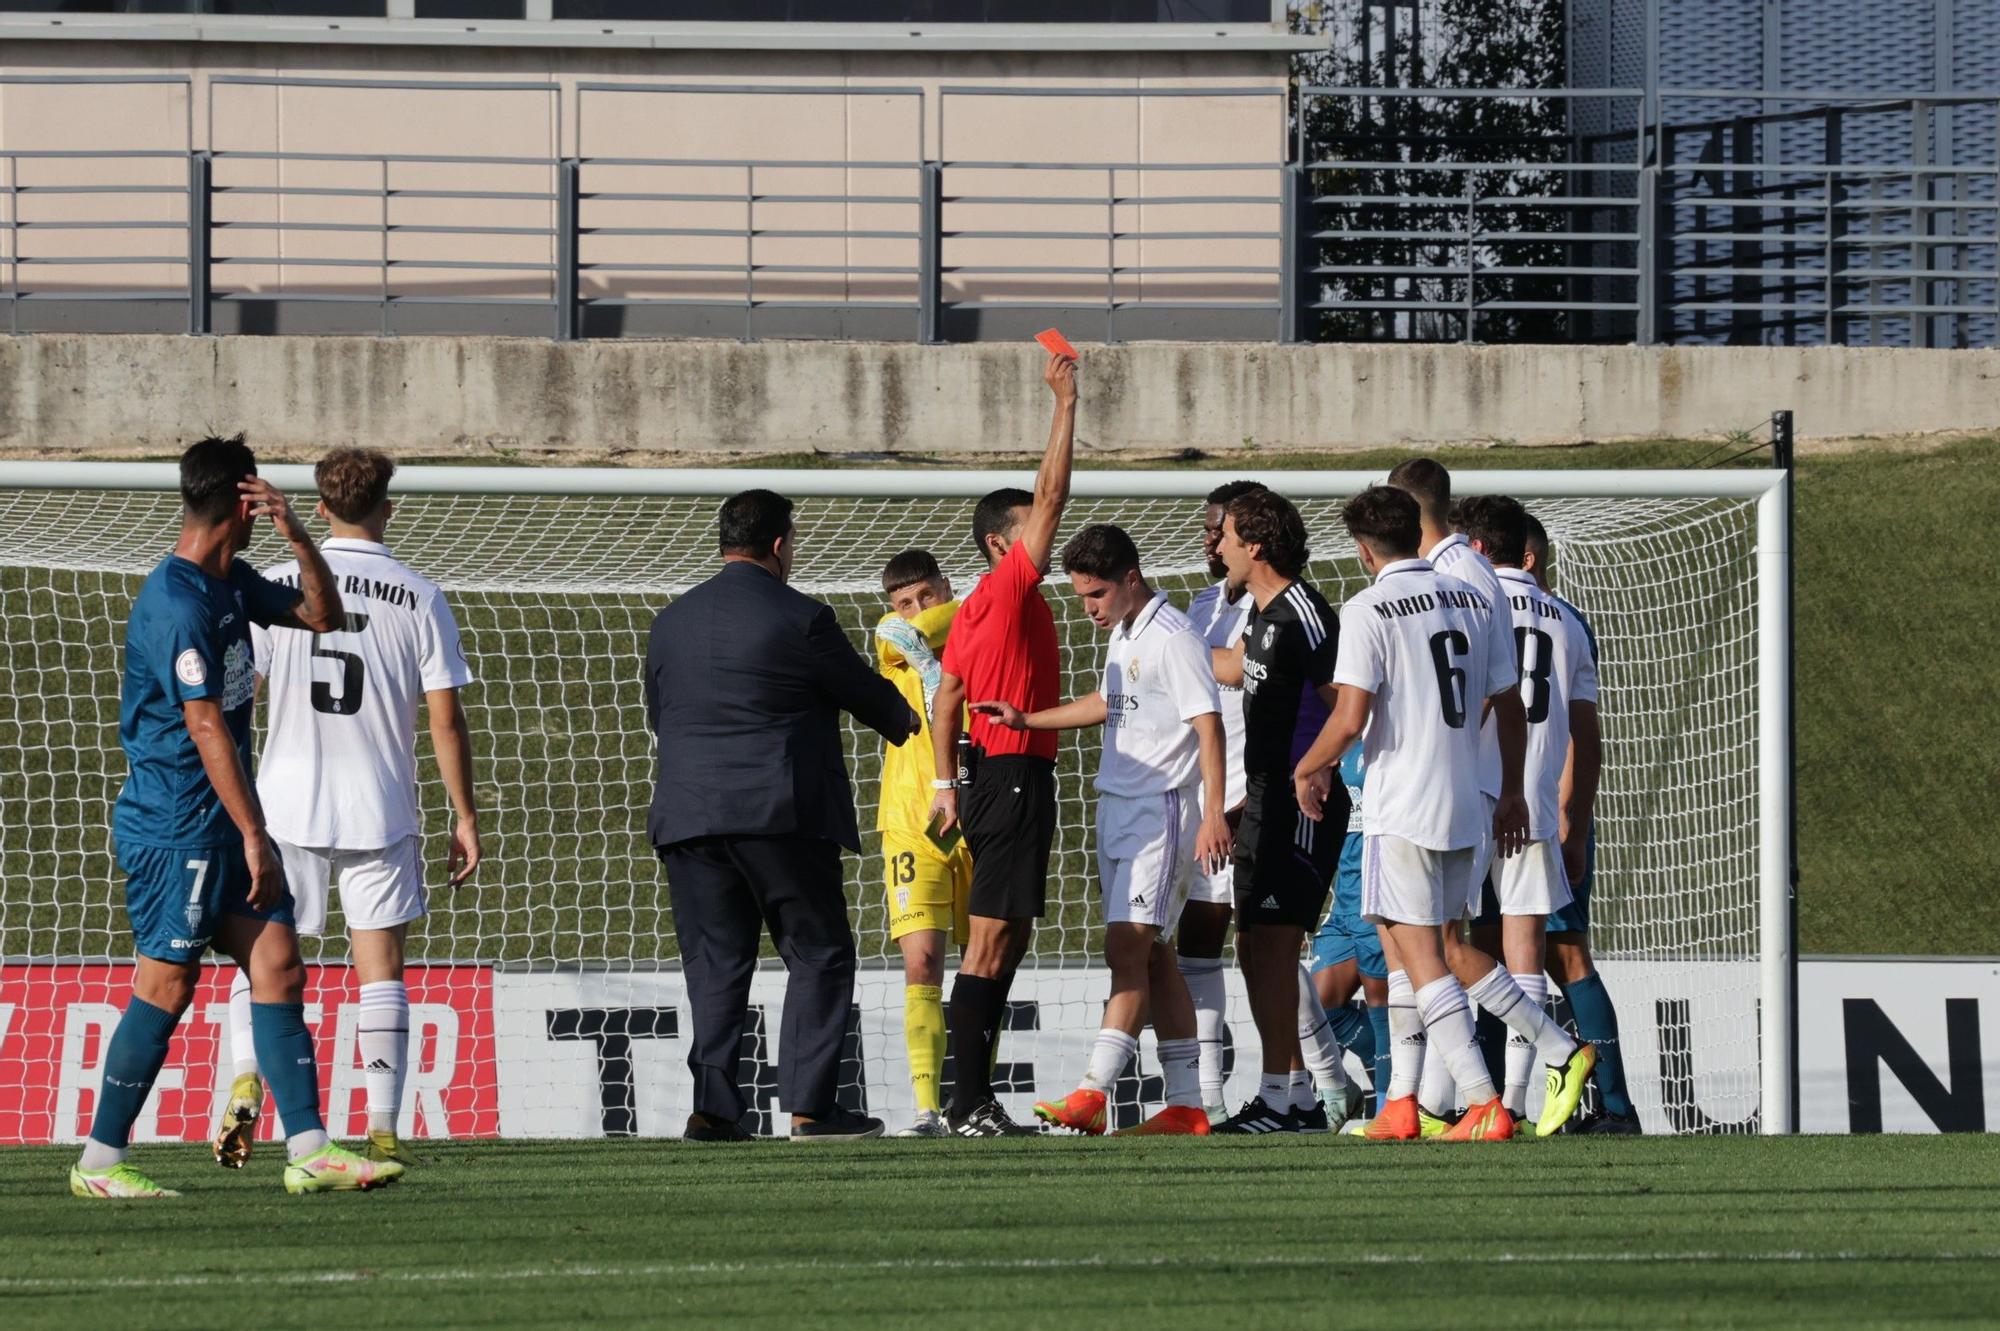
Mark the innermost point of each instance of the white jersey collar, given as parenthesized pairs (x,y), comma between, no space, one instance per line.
(354,543)
(1520,575)
(1457,538)
(1403,566)
(1143,618)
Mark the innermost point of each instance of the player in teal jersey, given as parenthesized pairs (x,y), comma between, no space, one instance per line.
(1569,959)
(199,868)
(1347,951)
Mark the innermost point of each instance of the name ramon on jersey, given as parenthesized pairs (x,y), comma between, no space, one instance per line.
(373,589)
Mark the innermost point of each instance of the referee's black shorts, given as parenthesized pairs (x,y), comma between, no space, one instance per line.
(1285,862)
(1009,816)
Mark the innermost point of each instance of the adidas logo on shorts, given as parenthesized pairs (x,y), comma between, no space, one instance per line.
(1268,903)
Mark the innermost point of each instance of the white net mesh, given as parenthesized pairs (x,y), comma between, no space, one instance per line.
(545,997)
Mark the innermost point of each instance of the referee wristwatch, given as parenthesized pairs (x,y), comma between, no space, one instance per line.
(943,783)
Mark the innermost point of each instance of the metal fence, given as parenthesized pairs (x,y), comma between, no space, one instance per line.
(1690,215)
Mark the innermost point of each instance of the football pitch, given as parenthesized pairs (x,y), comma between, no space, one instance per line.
(1309,1232)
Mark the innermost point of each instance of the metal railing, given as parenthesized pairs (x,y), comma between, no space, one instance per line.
(1416,234)
(1685,215)
(1779,225)
(94,175)
(371,221)
(1117,230)
(786,204)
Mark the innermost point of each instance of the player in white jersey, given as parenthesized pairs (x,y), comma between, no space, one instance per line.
(1449,552)
(1219,612)
(1559,697)
(1159,816)
(338,778)
(1570,964)
(1419,651)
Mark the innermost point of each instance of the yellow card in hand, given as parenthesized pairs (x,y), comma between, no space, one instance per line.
(946,842)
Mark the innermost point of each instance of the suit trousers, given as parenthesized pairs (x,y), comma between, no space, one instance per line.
(725,890)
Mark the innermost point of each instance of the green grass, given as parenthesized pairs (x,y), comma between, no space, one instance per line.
(1898,609)
(1571,1232)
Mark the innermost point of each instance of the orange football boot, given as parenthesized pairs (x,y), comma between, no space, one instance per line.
(1079,1111)
(1396,1123)
(1489,1122)
(1173,1121)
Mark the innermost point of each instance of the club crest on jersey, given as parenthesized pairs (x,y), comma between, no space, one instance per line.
(1132,669)
(1270,635)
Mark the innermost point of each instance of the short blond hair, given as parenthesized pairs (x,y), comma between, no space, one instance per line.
(354,482)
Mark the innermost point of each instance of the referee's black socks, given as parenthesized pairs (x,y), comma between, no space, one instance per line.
(977,1005)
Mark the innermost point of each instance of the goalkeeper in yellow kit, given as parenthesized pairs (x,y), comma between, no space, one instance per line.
(927,883)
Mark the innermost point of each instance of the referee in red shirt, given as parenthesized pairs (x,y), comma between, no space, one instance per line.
(1003,648)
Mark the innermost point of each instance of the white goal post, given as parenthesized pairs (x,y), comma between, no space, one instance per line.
(549,985)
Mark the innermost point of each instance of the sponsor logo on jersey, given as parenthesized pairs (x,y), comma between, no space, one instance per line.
(189,670)
(239,676)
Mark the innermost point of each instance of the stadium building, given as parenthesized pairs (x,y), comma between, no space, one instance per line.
(603,167)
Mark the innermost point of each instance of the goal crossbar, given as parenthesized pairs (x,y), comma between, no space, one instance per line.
(885,483)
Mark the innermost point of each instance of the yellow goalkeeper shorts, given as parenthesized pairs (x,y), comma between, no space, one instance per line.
(926,890)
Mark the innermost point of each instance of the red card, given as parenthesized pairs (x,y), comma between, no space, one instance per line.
(1056,343)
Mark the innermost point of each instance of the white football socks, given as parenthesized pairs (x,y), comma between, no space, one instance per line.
(1210,991)
(1276,1090)
(1520,1052)
(1180,1069)
(1498,994)
(1448,1019)
(1406,1033)
(384,1039)
(242,1045)
(1303,1094)
(302,1144)
(1318,1048)
(1108,1058)
(96,1155)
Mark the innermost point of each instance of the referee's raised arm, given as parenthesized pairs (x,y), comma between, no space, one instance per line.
(1038,533)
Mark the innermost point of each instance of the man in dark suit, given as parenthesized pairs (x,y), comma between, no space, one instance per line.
(745,682)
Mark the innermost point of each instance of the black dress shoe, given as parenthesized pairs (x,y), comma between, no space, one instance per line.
(841,1125)
(702,1128)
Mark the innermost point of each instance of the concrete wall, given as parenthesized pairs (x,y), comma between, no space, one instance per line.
(133,395)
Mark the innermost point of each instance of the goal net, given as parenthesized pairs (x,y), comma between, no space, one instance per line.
(546,997)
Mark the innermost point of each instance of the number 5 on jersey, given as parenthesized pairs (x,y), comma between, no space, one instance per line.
(352,674)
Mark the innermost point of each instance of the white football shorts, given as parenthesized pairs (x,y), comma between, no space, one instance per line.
(1404,883)
(1145,855)
(1533,882)
(1483,859)
(1218,888)
(379,889)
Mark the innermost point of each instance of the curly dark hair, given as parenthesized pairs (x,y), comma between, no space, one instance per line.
(1266,519)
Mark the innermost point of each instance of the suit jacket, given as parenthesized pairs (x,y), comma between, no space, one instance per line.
(745,682)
